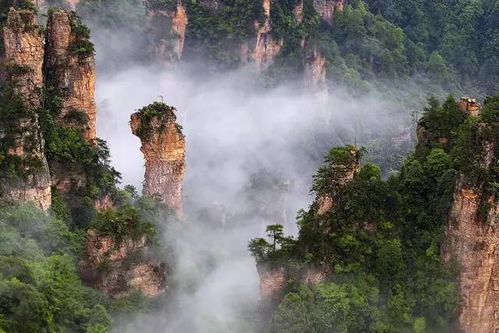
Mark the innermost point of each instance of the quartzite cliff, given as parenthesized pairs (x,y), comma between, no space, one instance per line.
(472,239)
(163,146)
(22,64)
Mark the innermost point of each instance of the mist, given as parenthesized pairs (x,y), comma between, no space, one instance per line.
(251,154)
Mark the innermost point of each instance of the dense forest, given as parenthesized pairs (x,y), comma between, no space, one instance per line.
(450,45)
(379,244)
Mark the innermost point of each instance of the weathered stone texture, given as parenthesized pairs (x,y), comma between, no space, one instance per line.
(164,153)
(23,59)
(71,74)
(472,244)
(327,8)
(166,33)
(120,267)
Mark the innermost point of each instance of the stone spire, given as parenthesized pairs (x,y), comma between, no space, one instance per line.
(166,25)
(163,146)
(70,70)
(23,59)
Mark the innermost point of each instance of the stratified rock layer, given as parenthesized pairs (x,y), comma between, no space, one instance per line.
(120,267)
(163,146)
(23,59)
(71,72)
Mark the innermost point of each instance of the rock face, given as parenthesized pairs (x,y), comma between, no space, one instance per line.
(70,69)
(327,8)
(469,105)
(298,11)
(266,47)
(315,69)
(166,31)
(340,175)
(120,267)
(472,243)
(23,59)
(163,146)
(271,281)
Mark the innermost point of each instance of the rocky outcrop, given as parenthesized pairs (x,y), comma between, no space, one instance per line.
(163,146)
(315,69)
(298,11)
(267,47)
(327,8)
(272,280)
(70,70)
(340,173)
(120,267)
(472,244)
(469,105)
(23,59)
(166,25)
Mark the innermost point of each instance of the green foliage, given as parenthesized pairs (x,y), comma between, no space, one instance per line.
(15,132)
(381,239)
(216,34)
(80,45)
(40,290)
(156,111)
(337,163)
(122,222)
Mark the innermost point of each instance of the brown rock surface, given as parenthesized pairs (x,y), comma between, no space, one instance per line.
(327,8)
(120,267)
(71,73)
(266,47)
(271,281)
(298,11)
(23,58)
(315,69)
(340,176)
(166,32)
(472,243)
(163,146)
(469,105)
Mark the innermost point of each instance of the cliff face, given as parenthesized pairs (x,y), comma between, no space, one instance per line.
(163,146)
(327,8)
(266,47)
(23,58)
(272,280)
(315,69)
(339,176)
(70,69)
(469,105)
(166,32)
(471,242)
(120,267)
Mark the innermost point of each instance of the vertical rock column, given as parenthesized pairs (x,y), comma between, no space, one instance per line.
(472,243)
(166,25)
(163,146)
(70,70)
(315,69)
(340,172)
(266,47)
(315,62)
(327,8)
(23,56)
